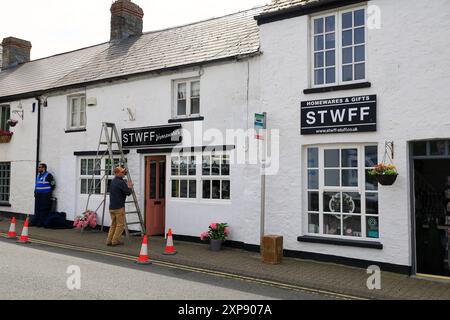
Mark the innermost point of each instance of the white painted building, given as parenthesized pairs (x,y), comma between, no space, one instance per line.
(297,61)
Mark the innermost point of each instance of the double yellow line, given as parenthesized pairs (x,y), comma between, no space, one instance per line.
(274,284)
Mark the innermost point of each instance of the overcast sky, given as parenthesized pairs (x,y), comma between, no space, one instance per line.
(56,26)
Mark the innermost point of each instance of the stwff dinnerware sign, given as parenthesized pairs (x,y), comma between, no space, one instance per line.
(339,115)
(151,136)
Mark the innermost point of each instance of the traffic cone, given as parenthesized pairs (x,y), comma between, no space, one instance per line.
(12,229)
(170,249)
(143,256)
(24,236)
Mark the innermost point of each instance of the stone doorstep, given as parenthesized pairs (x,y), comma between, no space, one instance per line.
(327,282)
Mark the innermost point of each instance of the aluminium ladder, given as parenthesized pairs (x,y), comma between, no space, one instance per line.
(109,132)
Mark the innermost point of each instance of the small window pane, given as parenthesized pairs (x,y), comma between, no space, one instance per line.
(318,76)
(352,226)
(347,73)
(330,41)
(192,166)
(318,60)
(330,58)
(206,166)
(83,167)
(332,202)
(225,166)
(195,105)
(351,202)
(318,43)
(371,182)
(420,148)
(359,17)
(215,165)
(226,189)
(331,224)
(347,20)
(181,98)
(332,178)
(371,203)
(181,111)
(183,166)
(192,189)
(318,26)
(347,38)
(360,54)
(360,71)
(347,55)
(350,158)
(437,148)
(195,89)
(372,227)
(371,156)
(313,157)
(313,223)
(349,178)
(313,201)
(330,23)
(359,35)
(183,189)
(313,179)
(206,189)
(215,189)
(175,166)
(332,158)
(83,185)
(331,75)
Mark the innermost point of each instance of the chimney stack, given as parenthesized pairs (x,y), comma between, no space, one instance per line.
(126,20)
(15,52)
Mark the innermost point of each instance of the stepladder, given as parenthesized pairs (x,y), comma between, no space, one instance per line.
(110,155)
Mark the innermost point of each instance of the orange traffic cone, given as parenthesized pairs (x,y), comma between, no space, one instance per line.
(24,236)
(12,229)
(143,256)
(170,249)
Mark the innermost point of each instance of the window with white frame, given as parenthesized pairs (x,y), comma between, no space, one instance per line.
(216,176)
(76,112)
(92,174)
(5,179)
(342,198)
(5,114)
(339,47)
(184,176)
(187,98)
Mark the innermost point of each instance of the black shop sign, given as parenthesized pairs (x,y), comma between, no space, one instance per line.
(151,136)
(339,115)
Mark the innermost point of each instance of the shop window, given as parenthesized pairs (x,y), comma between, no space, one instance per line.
(5,114)
(186,98)
(96,175)
(5,179)
(339,47)
(216,176)
(184,177)
(342,198)
(76,112)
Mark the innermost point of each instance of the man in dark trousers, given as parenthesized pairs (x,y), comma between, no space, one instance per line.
(45,184)
(118,192)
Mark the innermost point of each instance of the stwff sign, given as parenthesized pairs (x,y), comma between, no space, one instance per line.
(151,136)
(339,115)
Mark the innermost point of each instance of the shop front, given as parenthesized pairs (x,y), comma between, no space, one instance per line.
(430,163)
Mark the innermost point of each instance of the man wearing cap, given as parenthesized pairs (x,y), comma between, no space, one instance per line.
(118,192)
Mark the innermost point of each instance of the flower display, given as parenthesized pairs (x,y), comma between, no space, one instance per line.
(217,231)
(384,169)
(87,219)
(6,133)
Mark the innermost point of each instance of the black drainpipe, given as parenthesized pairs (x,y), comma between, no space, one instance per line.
(38,133)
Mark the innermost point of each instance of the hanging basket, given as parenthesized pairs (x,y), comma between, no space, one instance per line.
(386,179)
(5,138)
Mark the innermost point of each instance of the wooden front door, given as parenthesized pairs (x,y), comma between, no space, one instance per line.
(155,198)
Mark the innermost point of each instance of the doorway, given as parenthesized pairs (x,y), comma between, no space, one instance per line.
(431,162)
(155,195)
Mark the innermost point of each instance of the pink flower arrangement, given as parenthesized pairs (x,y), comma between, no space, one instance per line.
(87,219)
(217,231)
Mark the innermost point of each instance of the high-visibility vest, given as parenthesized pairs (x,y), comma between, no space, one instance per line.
(42,186)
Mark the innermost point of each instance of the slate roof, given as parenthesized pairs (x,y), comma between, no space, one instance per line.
(278,5)
(229,36)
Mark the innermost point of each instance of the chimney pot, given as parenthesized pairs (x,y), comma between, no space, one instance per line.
(15,52)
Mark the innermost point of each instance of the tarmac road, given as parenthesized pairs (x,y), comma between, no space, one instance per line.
(39,271)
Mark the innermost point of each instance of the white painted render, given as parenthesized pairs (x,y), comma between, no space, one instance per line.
(407,65)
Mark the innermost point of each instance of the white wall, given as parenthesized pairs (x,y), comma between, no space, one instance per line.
(408,67)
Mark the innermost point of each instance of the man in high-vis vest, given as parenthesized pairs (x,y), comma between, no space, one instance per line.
(45,183)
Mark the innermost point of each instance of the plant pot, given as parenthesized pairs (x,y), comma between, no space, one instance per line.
(5,139)
(386,179)
(215,245)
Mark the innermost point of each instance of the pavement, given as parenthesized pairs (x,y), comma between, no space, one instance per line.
(319,276)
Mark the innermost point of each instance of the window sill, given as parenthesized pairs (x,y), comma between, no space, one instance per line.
(75,130)
(338,87)
(5,204)
(186,119)
(341,242)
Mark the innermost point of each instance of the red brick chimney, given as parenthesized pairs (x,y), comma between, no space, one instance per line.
(126,20)
(15,52)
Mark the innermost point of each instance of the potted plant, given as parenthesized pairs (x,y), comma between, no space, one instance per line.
(216,235)
(87,220)
(384,174)
(5,136)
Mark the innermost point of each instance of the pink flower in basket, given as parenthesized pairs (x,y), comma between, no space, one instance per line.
(204,235)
